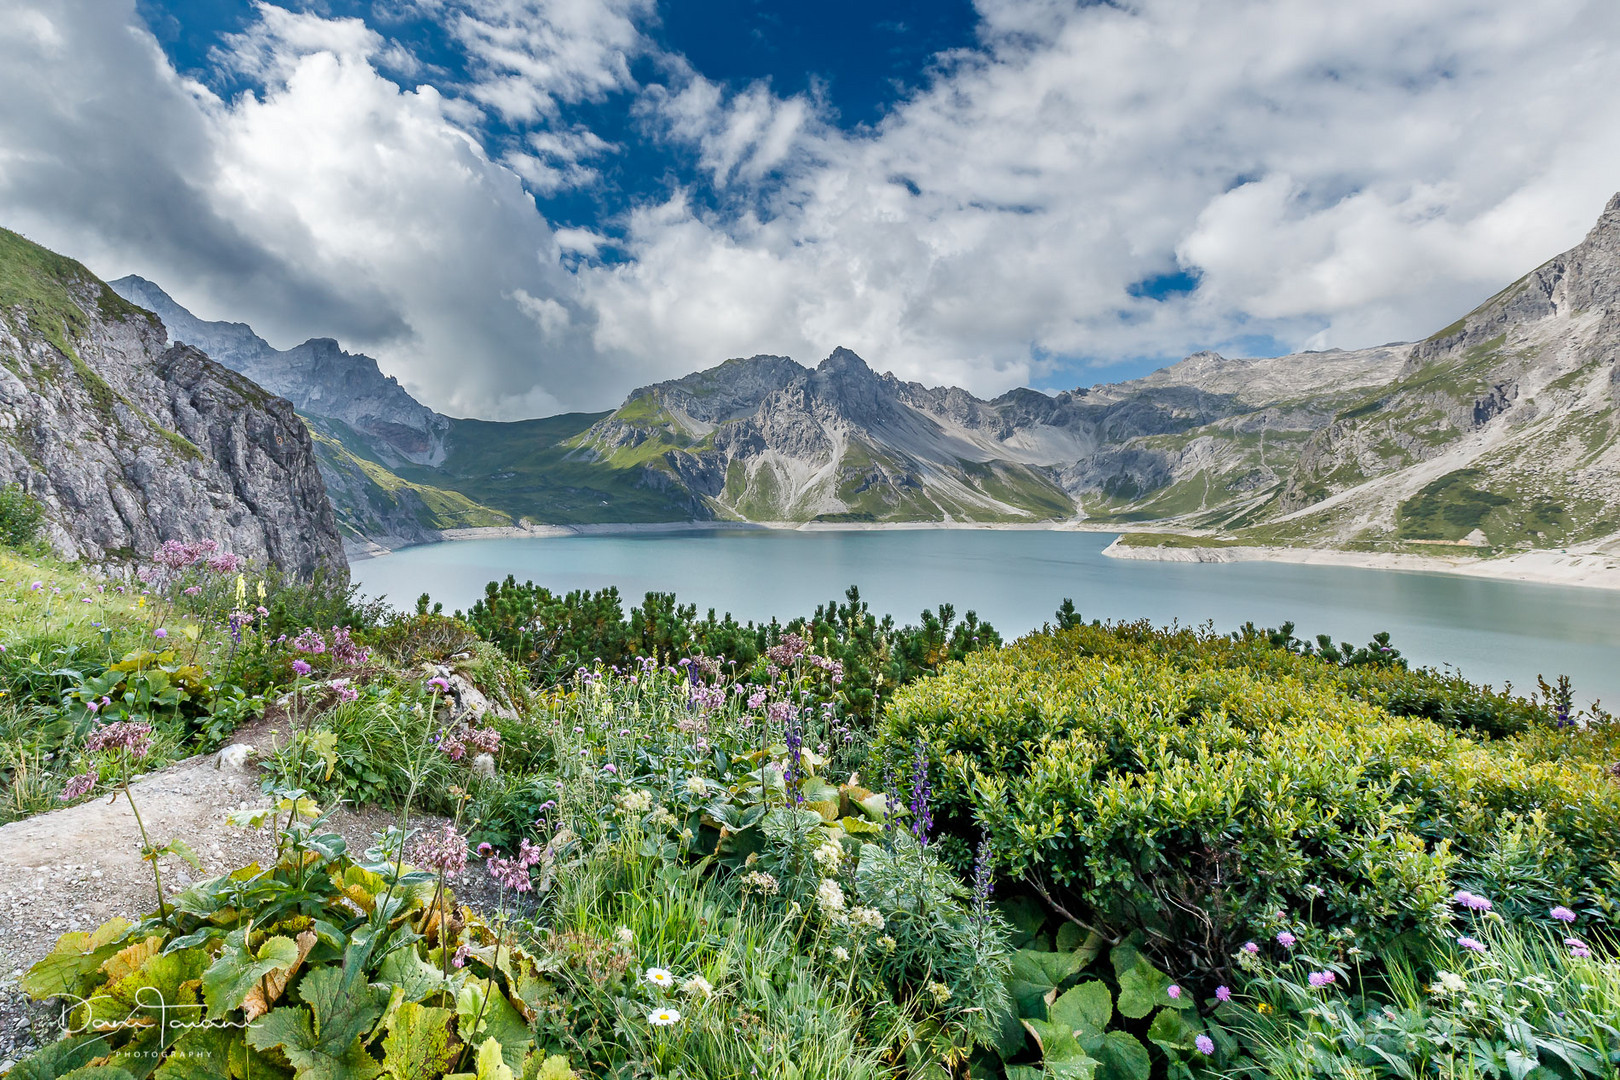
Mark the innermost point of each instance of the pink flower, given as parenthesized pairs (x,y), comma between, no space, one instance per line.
(130,735)
(443,852)
(610,768)
(1472,902)
(463,951)
(440,682)
(1250,947)
(301,667)
(160,633)
(484,850)
(1577,948)
(1286,940)
(1471,944)
(1174,991)
(1321,978)
(193,590)
(1562,914)
(1205,1044)
(78,786)
(1223,993)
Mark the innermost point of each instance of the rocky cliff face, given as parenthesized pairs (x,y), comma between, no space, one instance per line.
(318,377)
(129,441)
(1502,427)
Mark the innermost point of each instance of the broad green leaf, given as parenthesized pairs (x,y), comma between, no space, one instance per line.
(1123,1057)
(237,970)
(1171,1030)
(99,1072)
(417,1046)
(59,1058)
(553,1067)
(816,790)
(1142,988)
(1084,1010)
(482,1012)
(406,971)
(1035,975)
(1062,1056)
(859,826)
(199,1054)
(1023,1072)
(313,1058)
(77,956)
(491,1062)
(343,1012)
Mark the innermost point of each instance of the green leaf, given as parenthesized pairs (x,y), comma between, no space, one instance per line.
(478,1019)
(1084,1010)
(1171,1030)
(1062,1056)
(1123,1057)
(417,1046)
(199,1054)
(237,970)
(59,1058)
(408,972)
(554,1067)
(69,967)
(491,1062)
(99,1072)
(1142,987)
(182,850)
(1035,975)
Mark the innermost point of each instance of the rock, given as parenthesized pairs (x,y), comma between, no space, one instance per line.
(128,441)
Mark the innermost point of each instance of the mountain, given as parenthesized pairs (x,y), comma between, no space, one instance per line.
(129,441)
(1496,433)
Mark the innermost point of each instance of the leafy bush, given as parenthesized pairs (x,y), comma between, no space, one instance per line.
(1203,801)
(20,517)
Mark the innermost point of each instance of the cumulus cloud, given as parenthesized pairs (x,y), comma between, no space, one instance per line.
(1328,175)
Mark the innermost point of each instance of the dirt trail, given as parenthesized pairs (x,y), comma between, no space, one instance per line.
(77,867)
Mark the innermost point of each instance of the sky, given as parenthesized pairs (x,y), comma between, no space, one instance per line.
(522,207)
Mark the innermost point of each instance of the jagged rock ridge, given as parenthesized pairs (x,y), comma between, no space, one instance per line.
(129,441)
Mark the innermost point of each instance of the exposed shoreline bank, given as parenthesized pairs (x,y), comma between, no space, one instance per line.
(1584,569)
(1581,568)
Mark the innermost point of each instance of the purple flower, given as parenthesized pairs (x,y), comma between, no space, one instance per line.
(1471,944)
(1174,991)
(1562,914)
(440,682)
(160,633)
(1205,1044)
(310,641)
(610,768)
(1471,902)
(130,735)
(1223,993)
(444,852)
(484,850)
(463,951)
(301,667)
(1322,978)
(78,786)
(1578,948)
(1286,940)
(1250,947)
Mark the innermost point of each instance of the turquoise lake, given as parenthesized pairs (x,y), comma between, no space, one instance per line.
(1492,631)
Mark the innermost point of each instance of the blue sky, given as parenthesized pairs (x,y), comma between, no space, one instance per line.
(523,206)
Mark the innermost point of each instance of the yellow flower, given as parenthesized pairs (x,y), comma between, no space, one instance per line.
(241,590)
(261,590)
(1262,1008)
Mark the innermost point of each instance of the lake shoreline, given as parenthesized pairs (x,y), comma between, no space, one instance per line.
(1581,569)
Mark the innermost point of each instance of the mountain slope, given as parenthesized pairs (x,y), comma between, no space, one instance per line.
(129,441)
(1500,431)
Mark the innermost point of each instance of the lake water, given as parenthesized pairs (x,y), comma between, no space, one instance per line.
(1492,631)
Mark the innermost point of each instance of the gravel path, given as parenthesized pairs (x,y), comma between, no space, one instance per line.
(75,868)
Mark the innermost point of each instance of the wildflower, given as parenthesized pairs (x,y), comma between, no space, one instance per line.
(830,895)
(1262,1008)
(1174,991)
(697,986)
(78,786)
(301,667)
(661,818)
(1286,940)
(866,918)
(1223,993)
(440,683)
(922,820)
(1471,902)
(484,765)
(1471,944)
(660,977)
(939,992)
(1322,978)
(887,943)
(160,633)
(829,856)
(756,699)
(130,735)
(1250,947)
(443,852)
(610,768)
(696,786)
(310,641)
(663,1017)
(345,692)
(1562,914)
(463,951)
(624,936)
(840,954)
(634,802)
(1447,982)
(484,849)
(761,882)
(1580,951)
(510,873)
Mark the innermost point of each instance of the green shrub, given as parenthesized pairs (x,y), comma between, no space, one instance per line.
(1204,798)
(20,517)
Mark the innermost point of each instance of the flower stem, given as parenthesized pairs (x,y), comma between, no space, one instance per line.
(146,844)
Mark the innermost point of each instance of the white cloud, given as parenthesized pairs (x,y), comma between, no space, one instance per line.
(1337,174)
